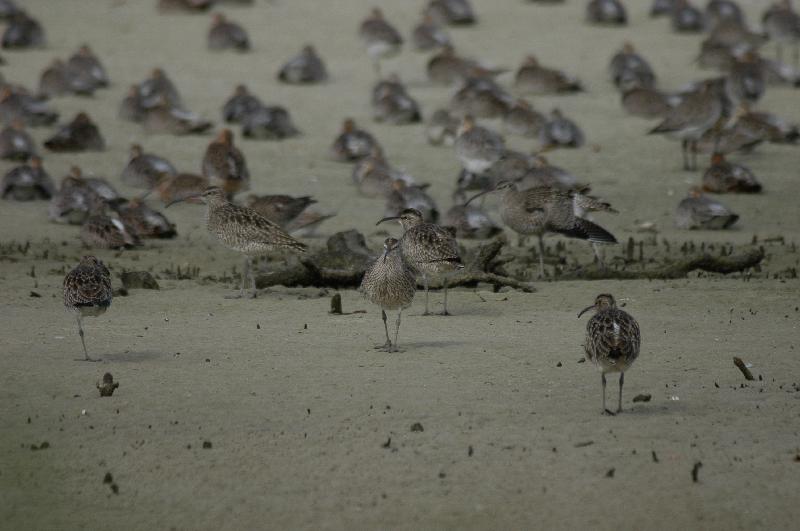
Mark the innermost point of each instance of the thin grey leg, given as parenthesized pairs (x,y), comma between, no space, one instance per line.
(693,153)
(388,344)
(541,256)
(444,281)
(621,381)
(425,282)
(83,341)
(598,256)
(251,277)
(603,379)
(397,328)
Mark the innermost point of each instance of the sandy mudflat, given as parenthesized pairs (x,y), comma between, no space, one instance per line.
(311,428)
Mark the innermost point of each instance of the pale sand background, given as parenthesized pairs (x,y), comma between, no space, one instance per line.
(297,416)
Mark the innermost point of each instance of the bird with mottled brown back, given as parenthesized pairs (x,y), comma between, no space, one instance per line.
(612,341)
(427,248)
(389,283)
(244,230)
(87,292)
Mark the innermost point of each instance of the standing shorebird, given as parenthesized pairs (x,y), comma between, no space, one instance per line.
(612,341)
(87,293)
(381,38)
(224,165)
(427,248)
(390,284)
(696,114)
(244,230)
(544,209)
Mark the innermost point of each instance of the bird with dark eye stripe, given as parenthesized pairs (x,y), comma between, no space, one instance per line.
(87,292)
(612,341)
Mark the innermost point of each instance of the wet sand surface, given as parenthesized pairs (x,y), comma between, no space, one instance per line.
(308,426)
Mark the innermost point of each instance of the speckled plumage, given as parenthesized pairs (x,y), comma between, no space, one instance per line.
(610,12)
(427,249)
(87,292)
(544,209)
(16,143)
(244,230)
(612,341)
(390,284)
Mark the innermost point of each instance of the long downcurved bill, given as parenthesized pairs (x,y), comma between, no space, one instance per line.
(390,218)
(585,310)
(182,199)
(477,196)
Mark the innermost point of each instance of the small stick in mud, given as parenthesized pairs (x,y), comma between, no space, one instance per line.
(742,367)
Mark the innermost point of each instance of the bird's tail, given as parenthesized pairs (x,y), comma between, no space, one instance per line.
(586,230)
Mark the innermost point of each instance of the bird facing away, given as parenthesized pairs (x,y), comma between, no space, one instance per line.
(612,341)
(244,230)
(544,209)
(390,284)
(224,165)
(87,293)
(306,67)
(225,34)
(428,249)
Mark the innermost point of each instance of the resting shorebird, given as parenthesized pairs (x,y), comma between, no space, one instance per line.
(477,147)
(144,170)
(698,211)
(304,68)
(627,66)
(244,230)
(390,284)
(697,113)
(381,38)
(723,177)
(612,341)
(87,292)
(81,134)
(225,34)
(534,78)
(27,182)
(611,12)
(427,248)
(540,210)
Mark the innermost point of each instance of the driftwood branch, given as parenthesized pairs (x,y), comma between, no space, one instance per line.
(705,262)
(345,259)
(342,263)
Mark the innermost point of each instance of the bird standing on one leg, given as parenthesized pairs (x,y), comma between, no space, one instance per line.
(612,341)
(244,230)
(87,292)
(390,284)
(427,248)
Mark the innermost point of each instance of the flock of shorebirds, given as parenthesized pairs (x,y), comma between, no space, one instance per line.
(713,116)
